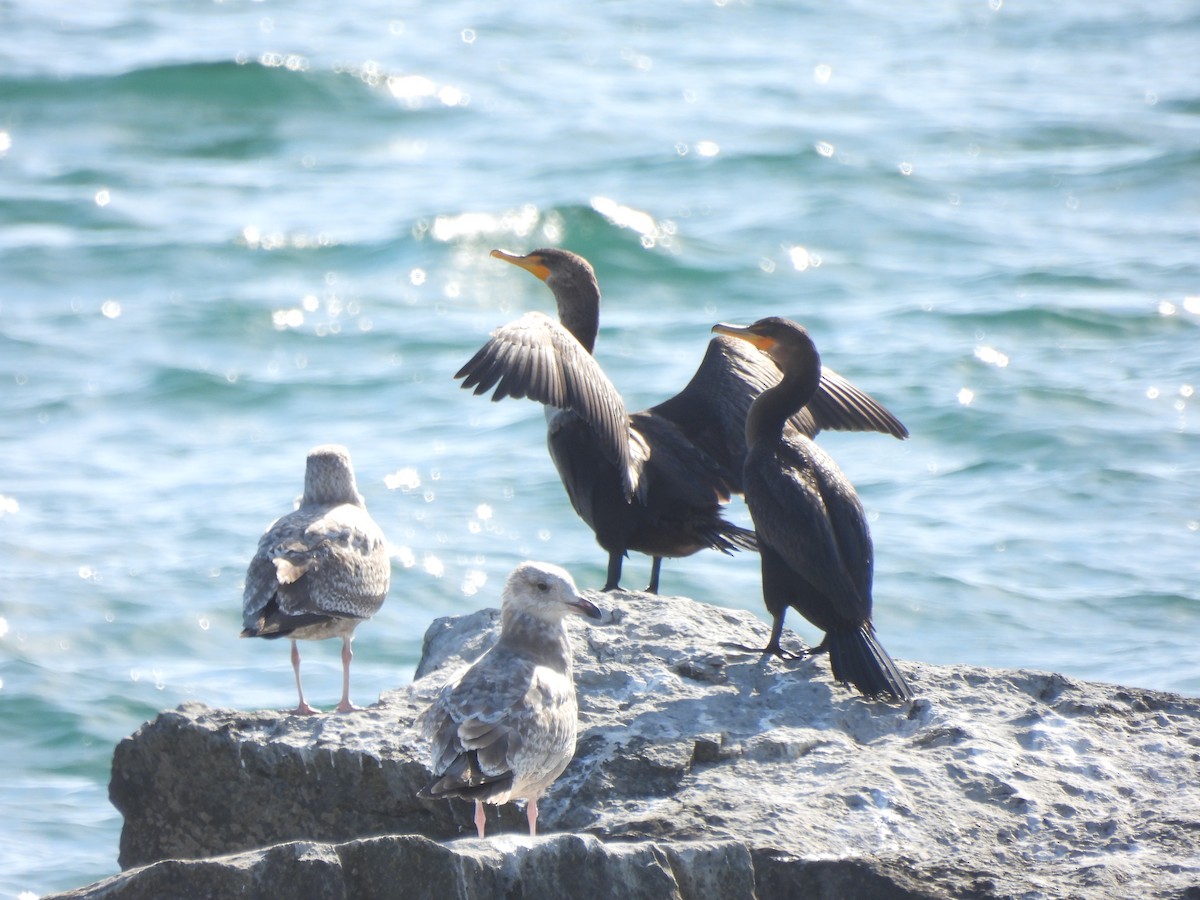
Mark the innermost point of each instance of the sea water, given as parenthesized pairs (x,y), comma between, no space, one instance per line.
(230,231)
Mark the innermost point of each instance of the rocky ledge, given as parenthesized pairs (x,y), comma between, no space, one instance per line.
(700,772)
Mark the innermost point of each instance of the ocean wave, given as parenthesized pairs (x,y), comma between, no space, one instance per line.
(1126,321)
(240,85)
(217,109)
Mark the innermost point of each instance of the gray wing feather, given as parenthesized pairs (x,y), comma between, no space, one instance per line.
(330,561)
(482,710)
(537,358)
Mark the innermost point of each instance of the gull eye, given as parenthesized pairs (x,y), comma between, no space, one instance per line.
(543,587)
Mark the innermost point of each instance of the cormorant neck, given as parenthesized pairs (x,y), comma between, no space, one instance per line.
(774,406)
(579,310)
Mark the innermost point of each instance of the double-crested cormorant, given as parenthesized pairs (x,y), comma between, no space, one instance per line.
(321,569)
(654,481)
(505,728)
(816,549)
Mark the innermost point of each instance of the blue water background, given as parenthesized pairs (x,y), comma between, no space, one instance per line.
(231,231)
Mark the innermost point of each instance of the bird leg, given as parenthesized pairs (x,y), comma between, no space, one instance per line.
(531,811)
(347,654)
(613,580)
(303,709)
(773,647)
(480,818)
(655,569)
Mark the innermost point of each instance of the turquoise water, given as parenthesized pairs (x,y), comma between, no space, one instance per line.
(231,231)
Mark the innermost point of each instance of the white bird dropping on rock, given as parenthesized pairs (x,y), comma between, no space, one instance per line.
(320,570)
(504,729)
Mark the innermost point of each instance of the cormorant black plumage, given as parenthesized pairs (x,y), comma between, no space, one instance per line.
(817,555)
(653,481)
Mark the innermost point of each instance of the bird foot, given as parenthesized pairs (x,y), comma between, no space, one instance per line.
(776,651)
(348,707)
(304,710)
(617,589)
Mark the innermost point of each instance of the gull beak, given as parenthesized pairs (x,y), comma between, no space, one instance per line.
(583,607)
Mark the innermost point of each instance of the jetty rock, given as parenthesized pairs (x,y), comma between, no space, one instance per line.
(701,771)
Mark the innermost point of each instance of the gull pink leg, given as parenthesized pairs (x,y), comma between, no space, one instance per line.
(532,813)
(347,655)
(480,820)
(303,709)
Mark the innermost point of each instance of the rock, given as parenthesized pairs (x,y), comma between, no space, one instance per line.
(198,782)
(990,784)
(414,867)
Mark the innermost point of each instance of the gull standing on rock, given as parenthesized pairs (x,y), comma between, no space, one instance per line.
(504,729)
(320,570)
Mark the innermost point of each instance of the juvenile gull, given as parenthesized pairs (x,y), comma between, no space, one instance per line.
(319,570)
(504,729)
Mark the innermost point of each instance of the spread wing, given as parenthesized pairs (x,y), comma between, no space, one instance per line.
(840,406)
(538,358)
(712,408)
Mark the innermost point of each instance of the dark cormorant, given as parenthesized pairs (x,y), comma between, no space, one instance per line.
(654,481)
(813,538)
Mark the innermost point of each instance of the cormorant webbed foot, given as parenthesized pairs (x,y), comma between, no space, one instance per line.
(776,651)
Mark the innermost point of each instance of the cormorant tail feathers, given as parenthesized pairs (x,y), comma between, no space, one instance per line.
(858,658)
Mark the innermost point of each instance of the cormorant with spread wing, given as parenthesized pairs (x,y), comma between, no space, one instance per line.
(653,481)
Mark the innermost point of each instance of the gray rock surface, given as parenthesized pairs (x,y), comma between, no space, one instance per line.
(412,867)
(693,762)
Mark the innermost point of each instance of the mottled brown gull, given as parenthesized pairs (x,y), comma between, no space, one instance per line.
(504,729)
(321,569)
